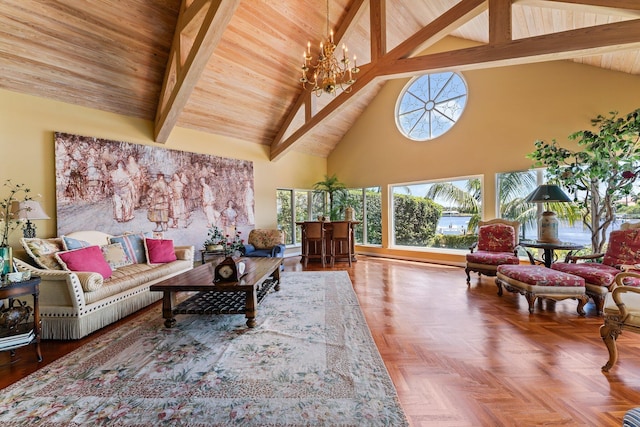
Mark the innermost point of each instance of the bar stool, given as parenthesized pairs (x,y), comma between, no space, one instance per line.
(313,232)
(340,235)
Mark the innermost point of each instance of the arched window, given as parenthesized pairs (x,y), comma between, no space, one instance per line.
(430,105)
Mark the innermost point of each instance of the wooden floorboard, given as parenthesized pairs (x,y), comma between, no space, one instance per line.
(464,356)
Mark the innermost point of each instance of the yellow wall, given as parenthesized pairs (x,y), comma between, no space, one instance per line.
(507,110)
(27,124)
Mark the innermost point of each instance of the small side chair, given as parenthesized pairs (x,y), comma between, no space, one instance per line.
(265,243)
(621,312)
(497,245)
(341,241)
(314,234)
(622,253)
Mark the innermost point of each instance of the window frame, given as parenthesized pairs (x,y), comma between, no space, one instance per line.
(453,118)
(391,232)
(360,193)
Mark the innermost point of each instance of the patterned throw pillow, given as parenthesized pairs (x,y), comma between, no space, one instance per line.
(133,245)
(115,255)
(85,259)
(623,248)
(159,251)
(43,251)
(496,238)
(265,238)
(71,243)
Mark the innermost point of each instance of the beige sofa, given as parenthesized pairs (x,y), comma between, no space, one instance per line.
(74,304)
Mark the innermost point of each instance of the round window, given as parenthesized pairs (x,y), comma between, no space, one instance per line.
(430,105)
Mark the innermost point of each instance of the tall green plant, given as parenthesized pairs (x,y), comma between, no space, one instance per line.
(602,172)
(332,186)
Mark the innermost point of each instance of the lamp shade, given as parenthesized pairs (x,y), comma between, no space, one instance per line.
(548,222)
(29,209)
(547,193)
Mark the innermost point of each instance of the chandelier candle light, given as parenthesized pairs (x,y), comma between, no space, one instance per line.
(328,71)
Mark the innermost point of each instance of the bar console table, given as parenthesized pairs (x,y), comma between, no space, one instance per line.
(24,333)
(328,226)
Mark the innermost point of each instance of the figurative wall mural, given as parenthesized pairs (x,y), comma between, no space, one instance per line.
(118,187)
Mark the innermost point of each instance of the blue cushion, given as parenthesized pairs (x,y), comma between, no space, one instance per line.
(70,243)
(276,251)
(133,245)
(632,418)
(259,252)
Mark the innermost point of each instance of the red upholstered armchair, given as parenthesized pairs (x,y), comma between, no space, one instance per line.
(623,252)
(497,245)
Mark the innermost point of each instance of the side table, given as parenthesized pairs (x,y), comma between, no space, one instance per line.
(205,254)
(548,256)
(25,333)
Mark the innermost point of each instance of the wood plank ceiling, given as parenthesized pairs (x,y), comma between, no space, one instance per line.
(232,67)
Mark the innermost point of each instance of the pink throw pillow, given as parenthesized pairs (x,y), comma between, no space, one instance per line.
(85,259)
(159,251)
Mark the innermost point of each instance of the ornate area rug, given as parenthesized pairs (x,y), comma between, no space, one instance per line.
(311,360)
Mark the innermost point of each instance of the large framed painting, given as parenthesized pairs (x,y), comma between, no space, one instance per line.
(119,187)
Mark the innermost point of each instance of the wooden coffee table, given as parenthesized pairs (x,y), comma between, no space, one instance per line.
(243,297)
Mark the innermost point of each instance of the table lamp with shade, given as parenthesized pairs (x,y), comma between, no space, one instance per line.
(548,222)
(28,210)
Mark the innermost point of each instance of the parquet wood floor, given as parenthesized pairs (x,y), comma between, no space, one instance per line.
(462,356)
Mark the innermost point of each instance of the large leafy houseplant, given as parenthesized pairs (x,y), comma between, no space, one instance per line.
(598,174)
(333,187)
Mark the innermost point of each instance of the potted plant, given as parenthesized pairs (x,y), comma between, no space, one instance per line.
(216,240)
(332,186)
(235,246)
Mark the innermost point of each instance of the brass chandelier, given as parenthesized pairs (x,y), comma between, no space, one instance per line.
(329,73)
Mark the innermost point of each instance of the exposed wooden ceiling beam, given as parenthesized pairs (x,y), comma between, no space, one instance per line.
(442,26)
(452,19)
(199,29)
(365,77)
(353,15)
(499,21)
(562,45)
(625,8)
(279,147)
(500,51)
(377,18)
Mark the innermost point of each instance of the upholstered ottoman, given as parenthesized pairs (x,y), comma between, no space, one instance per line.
(535,281)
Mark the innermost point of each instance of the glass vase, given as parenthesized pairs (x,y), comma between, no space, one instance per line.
(6,254)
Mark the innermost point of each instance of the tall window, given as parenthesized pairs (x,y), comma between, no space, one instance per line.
(303,206)
(294,206)
(306,205)
(512,189)
(372,224)
(366,203)
(440,214)
(284,207)
(319,204)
